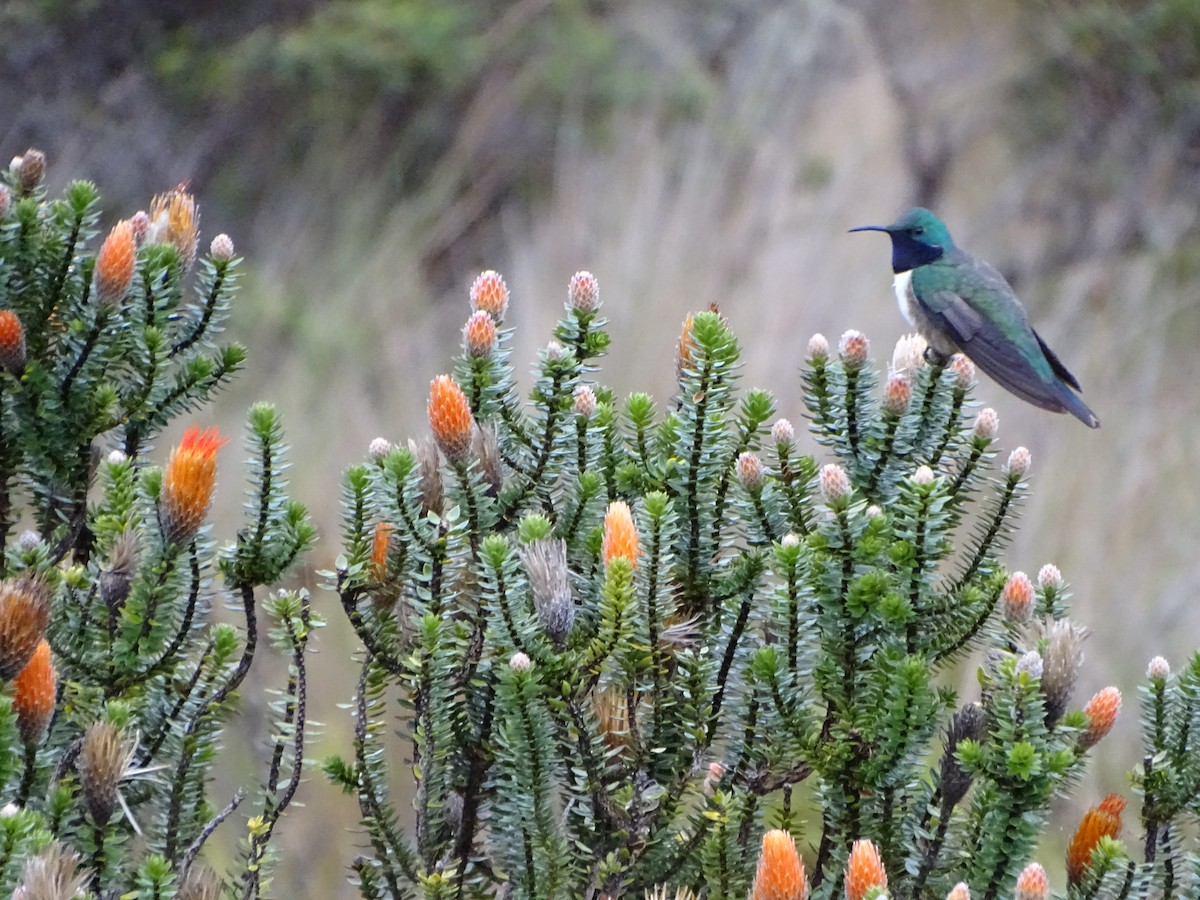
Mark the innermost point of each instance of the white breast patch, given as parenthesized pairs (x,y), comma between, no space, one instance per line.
(902,285)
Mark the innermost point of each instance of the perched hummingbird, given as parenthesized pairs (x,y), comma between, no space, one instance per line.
(960,303)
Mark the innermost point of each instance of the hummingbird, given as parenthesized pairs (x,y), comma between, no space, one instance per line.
(961,304)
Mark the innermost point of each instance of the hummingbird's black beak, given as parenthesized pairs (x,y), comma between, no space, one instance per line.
(882,228)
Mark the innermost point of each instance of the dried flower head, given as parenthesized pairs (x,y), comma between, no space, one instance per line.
(52,875)
(139,224)
(854,348)
(115,264)
(909,354)
(1032,883)
(1049,578)
(1102,711)
(12,342)
(685,351)
(450,418)
(24,614)
(750,471)
(550,583)
(1016,599)
(987,424)
(479,335)
(783,432)
(31,169)
(864,870)
(897,393)
(1061,659)
(1102,820)
(5,199)
(964,371)
(1018,463)
(620,534)
(175,220)
(662,892)
(486,446)
(583,293)
(818,348)
(780,874)
(103,760)
(489,294)
(381,545)
(612,716)
(923,475)
(432,493)
(712,778)
(959,892)
(1030,664)
(188,483)
(967,723)
(200,883)
(585,401)
(835,483)
(221,248)
(520,662)
(116,578)
(1158,669)
(34,692)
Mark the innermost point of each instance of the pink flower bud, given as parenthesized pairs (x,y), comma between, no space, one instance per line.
(854,348)
(987,424)
(835,483)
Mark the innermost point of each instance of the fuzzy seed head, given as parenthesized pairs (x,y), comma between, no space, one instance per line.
(1158,669)
(583,293)
(34,692)
(1032,883)
(489,294)
(1018,463)
(188,483)
(31,169)
(864,870)
(964,371)
(909,354)
(959,892)
(115,264)
(221,248)
(52,875)
(685,351)
(585,401)
(780,874)
(1102,711)
(897,393)
(1017,598)
(103,759)
(24,614)
(923,475)
(550,583)
(486,446)
(174,219)
(854,349)
(139,224)
(783,432)
(835,483)
(12,342)
(519,662)
(1031,664)
(1100,821)
(123,560)
(432,493)
(1049,577)
(818,348)
(620,534)
(750,471)
(200,883)
(479,335)
(450,418)
(1061,661)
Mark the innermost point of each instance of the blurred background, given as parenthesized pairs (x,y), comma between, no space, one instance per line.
(370,157)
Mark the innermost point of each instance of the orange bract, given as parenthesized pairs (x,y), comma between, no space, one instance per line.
(188,483)
(34,691)
(489,294)
(1103,820)
(620,534)
(1102,711)
(381,542)
(24,614)
(175,220)
(479,334)
(1032,883)
(115,263)
(12,342)
(685,353)
(864,870)
(450,418)
(780,873)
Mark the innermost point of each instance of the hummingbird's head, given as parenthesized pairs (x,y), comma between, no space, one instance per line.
(918,237)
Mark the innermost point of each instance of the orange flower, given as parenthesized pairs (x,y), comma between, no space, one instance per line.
(685,354)
(1032,883)
(780,873)
(174,219)
(489,294)
(479,334)
(864,870)
(1102,711)
(12,342)
(115,264)
(34,691)
(620,534)
(1103,820)
(188,483)
(450,418)
(381,542)
(24,613)
(1017,598)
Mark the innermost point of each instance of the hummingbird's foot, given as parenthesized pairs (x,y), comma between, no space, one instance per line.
(935,357)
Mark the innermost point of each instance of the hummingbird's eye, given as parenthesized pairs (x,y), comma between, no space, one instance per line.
(918,231)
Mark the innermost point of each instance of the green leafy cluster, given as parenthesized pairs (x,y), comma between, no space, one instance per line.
(109,776)
(582,717)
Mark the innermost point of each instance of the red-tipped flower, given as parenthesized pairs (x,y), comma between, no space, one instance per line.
(489,294)
(780,873)
(1032,883)
(1017,598)
(34,691)
(188,483)
(12,342)
(854,349)
(115,264)
(479,334)
(864,870)
(620,534)
(1101,821)
(450,418)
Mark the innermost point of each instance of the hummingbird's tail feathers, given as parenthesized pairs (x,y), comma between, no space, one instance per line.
(1056,364)
(1076,407)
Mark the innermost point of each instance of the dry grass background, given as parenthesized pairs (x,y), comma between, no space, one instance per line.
(821,121)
